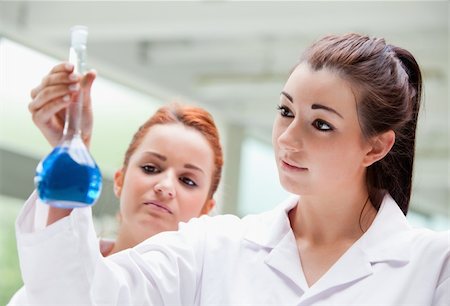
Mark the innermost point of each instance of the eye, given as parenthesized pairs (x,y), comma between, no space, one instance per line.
(150,169)
(187,181)
(322,125)
(285,111)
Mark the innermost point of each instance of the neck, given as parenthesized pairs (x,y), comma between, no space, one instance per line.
(123,242)
(127,239)
(338,217)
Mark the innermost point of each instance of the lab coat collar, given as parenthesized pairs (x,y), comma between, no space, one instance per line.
(383,241)
(386,239)
(379,243)
(271,226)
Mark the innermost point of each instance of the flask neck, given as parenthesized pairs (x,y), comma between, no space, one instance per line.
(73,120)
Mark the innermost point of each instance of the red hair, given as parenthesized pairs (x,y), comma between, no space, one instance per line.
(190,116)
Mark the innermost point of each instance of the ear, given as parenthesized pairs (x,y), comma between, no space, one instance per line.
(209,205)
(380,145)
(118,182)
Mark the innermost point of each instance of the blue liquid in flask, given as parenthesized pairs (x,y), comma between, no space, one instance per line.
(68,177)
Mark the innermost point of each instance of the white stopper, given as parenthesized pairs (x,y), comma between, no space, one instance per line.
(78,35)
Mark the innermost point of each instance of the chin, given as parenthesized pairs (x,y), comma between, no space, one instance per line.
(293,186)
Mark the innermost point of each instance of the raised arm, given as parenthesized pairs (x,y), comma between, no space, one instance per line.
(61,264)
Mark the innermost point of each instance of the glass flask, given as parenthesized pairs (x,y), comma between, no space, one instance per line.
(69,177)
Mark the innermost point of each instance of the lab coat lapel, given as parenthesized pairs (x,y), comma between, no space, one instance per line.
(273,231)
(285,259)
(350,268)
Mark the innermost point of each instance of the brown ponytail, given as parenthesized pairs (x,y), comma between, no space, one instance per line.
(394,172)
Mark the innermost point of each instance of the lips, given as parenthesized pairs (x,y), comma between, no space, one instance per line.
(159,206)
(291,166)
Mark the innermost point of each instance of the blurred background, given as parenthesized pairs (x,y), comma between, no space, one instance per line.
(230,57)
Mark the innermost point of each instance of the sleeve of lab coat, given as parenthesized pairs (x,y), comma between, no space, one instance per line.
(19,298)
(38,221)
(442,293)
(61,264)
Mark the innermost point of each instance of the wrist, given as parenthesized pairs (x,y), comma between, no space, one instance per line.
(86,141)
(55,214)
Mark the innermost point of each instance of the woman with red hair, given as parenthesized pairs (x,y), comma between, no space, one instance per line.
(170,172)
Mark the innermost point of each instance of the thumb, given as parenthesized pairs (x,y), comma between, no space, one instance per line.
(88,80)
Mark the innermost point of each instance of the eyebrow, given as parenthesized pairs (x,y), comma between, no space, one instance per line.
(157,155)
(288,96)
(190,166)
(320,106)
(163,158)
(314,106)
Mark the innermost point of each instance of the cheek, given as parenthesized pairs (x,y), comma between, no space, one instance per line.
(190,205)
(338,159)
(124,199)
(131,188)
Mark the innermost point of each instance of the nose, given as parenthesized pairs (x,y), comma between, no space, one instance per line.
(166,186)
(291,138)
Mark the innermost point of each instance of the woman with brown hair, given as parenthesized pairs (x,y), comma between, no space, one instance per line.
(344,144)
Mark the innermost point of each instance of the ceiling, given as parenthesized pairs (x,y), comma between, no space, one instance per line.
(234,57)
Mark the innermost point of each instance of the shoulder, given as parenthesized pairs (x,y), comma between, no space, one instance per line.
(19,298)
(391,229)
(431,249)
(222,225)
(429,241)
(263,229)
(231,225)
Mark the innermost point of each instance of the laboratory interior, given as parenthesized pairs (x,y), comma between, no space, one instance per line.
(231,58)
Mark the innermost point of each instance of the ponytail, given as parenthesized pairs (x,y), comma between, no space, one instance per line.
(406,145)
(394,172)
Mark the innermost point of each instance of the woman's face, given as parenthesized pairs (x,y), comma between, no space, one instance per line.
(317,138)
(167,180)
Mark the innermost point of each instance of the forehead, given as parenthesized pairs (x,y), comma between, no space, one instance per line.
(178,143)
(323,86)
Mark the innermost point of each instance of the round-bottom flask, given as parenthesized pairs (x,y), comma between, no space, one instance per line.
(68,177)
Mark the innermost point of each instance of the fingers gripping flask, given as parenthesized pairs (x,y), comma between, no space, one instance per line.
(69,177)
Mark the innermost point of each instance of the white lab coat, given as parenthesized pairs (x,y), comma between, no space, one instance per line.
(225,260)
(40,221)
